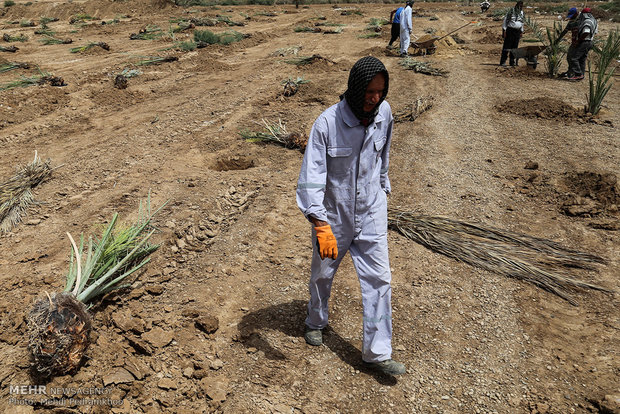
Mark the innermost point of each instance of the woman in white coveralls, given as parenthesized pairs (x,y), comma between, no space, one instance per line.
(342,189)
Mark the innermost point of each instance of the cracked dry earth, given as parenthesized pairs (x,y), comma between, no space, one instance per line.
(215,322)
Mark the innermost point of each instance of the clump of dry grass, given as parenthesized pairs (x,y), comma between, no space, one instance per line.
(276,133)
(538,261)
(16,193)
(417,108)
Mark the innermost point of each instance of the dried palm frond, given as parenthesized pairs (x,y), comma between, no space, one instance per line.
(16,193)
(421,67)
(276,133)
(535,260)
(419,106)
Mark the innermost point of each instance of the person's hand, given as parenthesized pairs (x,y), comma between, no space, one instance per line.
(326,241)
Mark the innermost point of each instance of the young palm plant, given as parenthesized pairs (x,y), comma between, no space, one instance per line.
(555,51)
(601,80)
(59,324)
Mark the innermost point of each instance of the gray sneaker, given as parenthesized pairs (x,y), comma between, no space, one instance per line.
(389,366)
(313,337)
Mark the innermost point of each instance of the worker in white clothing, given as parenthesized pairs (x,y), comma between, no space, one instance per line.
(512,30)
(342,189)
(406,26)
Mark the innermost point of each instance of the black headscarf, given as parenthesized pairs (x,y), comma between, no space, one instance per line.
(360,76)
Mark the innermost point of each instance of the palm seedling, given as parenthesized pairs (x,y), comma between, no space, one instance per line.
(291,86)
(5,67)
(421,67)
(11,49)
(40,79)
(376,24)
(555,50)
(59,324)
(285,51)
(601,81)
(19,38)
(55,41)
(150,32)
(307,60)
(156,60)
(276,133)
(82,49)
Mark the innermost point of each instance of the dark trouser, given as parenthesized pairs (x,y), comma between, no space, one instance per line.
(576,58)
(511,41)
(395,33)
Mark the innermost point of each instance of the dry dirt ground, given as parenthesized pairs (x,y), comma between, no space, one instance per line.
(215,323)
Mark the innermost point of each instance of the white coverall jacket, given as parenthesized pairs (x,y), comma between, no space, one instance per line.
(405,27)
(344,181)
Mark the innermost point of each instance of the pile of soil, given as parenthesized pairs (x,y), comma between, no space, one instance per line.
(489,35)
(543,107)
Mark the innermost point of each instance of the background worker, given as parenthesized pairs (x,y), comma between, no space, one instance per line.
(406,26)
(342,189)
(395,19)
(583,26)
(484,6)
(512,30)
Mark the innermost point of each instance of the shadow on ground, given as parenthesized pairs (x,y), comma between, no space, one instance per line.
(288,318)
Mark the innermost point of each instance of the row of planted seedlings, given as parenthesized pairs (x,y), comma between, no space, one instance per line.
(201,38)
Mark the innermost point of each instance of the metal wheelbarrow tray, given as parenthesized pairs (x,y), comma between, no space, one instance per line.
(529,53)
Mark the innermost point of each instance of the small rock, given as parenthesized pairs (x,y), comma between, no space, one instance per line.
(610,404)
(531,165)
(119,376)
(207,323)
(158,337)
(33,222)
(181,243)
(170,224)
(216,388)
(167,384)
(217,364)
(188,372)
(136,367)
(155,289)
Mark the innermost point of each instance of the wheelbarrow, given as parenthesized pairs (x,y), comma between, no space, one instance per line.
(529,53)
(426,43)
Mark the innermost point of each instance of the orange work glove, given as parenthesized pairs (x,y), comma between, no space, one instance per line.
(326,241)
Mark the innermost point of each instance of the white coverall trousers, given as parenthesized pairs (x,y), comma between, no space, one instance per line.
(405,40)
(369,251)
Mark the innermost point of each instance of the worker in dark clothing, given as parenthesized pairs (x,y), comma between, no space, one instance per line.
(395,19)
(583,27)
(512,30)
